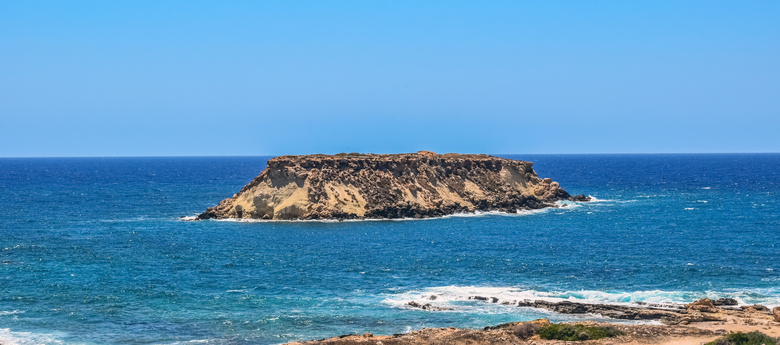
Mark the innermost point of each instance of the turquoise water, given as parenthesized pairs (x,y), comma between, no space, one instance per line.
(92,251)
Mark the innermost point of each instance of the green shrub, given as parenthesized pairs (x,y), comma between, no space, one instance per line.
(739,338)
(568,332)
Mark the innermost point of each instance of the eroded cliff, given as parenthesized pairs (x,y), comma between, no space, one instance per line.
(416,185)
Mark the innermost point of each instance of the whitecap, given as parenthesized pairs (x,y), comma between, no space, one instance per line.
(595,199)
(194,341)
(126,220)
(454,297)
(8,337)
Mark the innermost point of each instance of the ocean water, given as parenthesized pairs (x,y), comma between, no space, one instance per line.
(92,251)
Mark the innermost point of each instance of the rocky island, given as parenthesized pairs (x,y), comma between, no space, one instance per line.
(385,186)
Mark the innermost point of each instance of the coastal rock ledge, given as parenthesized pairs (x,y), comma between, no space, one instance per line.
(383,186)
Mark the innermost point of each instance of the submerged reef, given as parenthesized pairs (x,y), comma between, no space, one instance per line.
(385,186)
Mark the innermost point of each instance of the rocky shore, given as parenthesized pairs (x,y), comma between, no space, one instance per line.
(381,186)
(696,323)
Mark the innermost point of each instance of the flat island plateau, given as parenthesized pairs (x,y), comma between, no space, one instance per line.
(387,186)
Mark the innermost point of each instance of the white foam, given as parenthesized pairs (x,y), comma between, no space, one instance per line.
(128,220)
(506,214)
(10,312)
(244,290)
(567,204)
(195,341)
(455,296)
(595,199)
(447,294)
(8,337)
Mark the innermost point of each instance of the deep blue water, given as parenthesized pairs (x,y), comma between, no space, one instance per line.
(92,251)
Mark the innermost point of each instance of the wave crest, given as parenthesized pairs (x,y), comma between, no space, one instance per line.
(453,296)
(8,337)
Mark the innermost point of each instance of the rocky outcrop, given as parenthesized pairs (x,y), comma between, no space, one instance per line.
(704,304)
(668,315)
(703,310)
(696,323)
(619,312)
(756,308)
(515,333)
(416,185)
(776,313)
(426,306)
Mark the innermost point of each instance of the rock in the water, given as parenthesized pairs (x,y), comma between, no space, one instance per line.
(581,197)
(725,301)
(415,185)
(426,306)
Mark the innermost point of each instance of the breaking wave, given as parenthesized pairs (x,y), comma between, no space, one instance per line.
(455,297)
(8,337)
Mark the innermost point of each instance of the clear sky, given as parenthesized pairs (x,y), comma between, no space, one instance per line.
(137,78)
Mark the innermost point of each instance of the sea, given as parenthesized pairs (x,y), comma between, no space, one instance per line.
(94,251)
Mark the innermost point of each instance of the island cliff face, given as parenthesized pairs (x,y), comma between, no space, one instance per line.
(415,185)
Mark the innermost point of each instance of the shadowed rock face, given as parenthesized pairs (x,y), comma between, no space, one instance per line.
(416,185)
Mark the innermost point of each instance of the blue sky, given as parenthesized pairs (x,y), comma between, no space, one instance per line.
(137,78)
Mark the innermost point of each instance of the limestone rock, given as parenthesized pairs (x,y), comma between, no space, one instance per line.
(704,304)
(756,308)
(776,313)
(415,185)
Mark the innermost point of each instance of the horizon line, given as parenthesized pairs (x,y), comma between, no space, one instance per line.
(492,154)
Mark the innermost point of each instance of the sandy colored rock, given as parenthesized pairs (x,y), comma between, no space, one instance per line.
(756,308)
(704,304)
(776,313)
(525,333)
(415,185)
(684,326)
